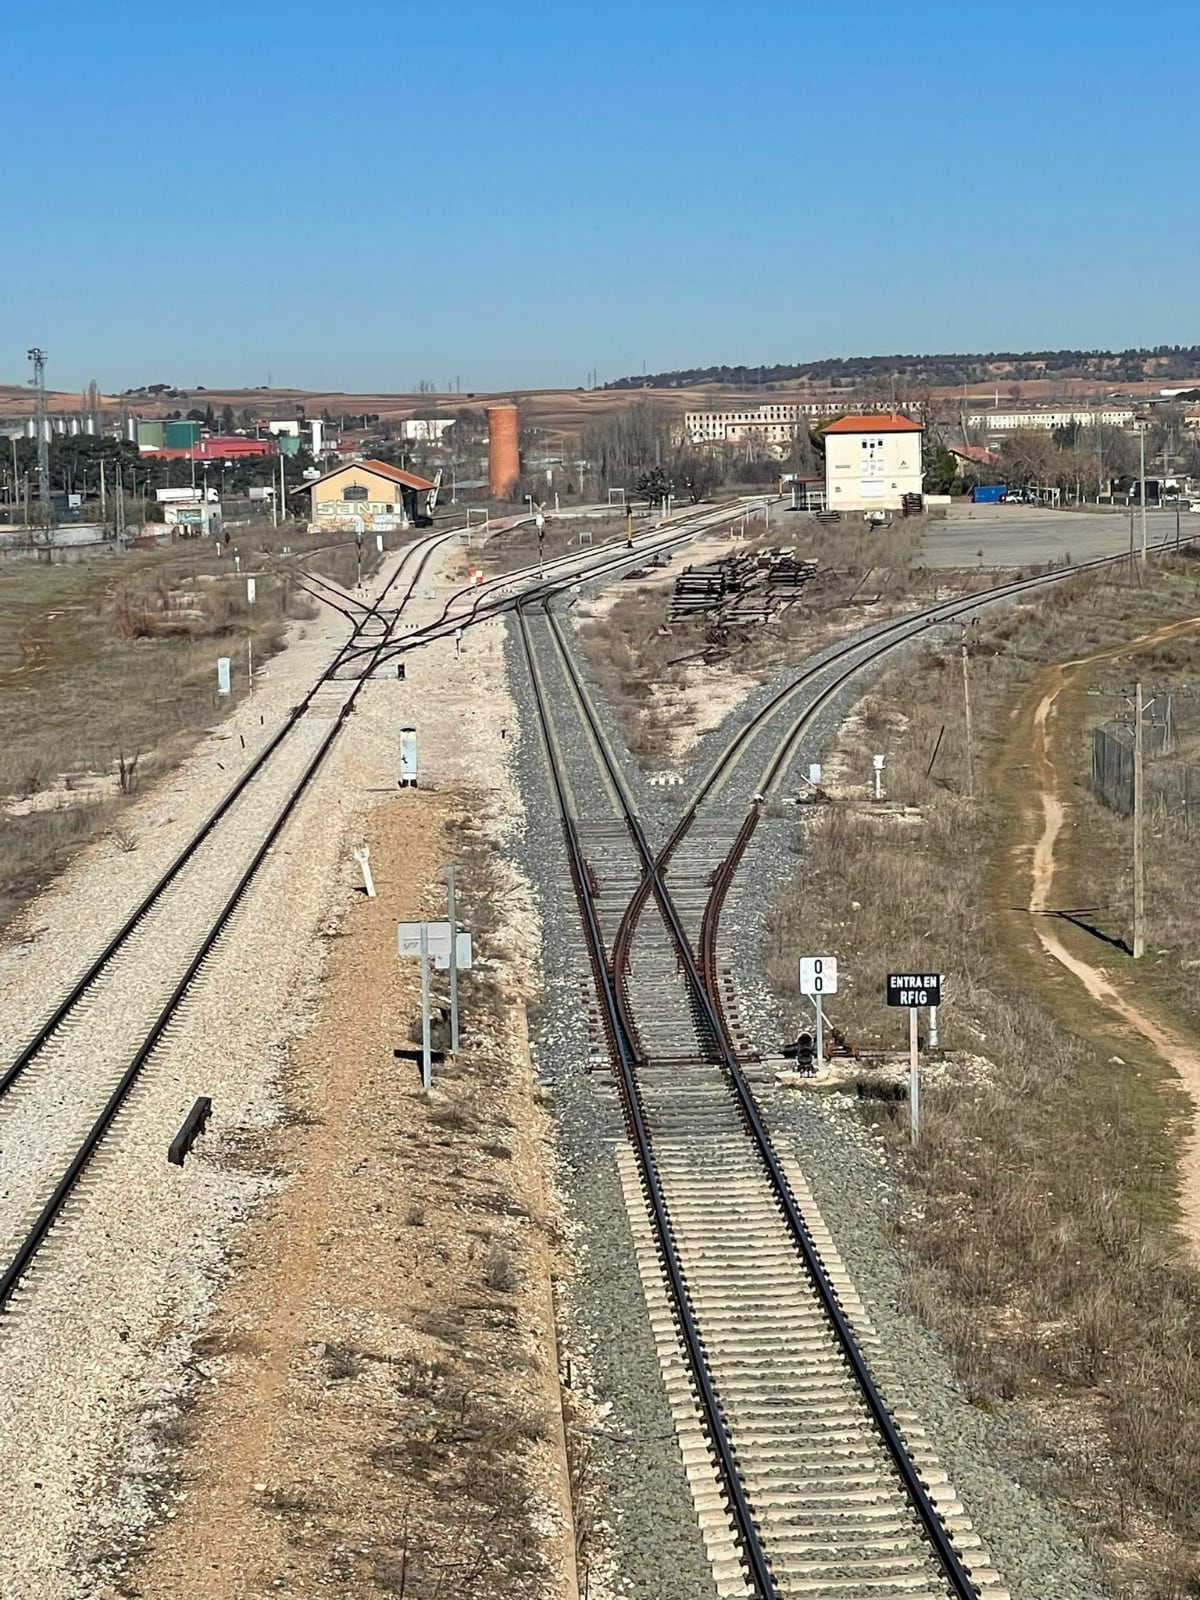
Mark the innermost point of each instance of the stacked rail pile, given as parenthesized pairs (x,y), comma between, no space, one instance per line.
(741,588)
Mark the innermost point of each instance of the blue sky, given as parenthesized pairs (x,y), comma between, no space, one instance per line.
(362,194)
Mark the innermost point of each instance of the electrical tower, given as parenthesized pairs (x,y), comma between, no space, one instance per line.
(38,357)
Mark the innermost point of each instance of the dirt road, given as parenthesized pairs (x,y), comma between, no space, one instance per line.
(1109,990)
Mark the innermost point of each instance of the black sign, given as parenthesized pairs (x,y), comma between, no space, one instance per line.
(914,989)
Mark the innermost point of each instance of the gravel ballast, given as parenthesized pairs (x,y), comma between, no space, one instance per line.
(991,1457)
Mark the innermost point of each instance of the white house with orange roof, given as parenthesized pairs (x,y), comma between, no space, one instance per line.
(872,462)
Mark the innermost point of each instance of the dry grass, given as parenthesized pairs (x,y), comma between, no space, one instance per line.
(1046,1252)
(518,547)
(865,575)
(107,674)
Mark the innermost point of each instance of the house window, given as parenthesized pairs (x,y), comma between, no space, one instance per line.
(354,491)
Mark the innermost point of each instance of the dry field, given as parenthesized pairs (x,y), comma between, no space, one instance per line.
(1044,1235)
(108,676)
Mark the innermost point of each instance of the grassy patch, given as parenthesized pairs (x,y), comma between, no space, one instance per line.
(108,675)
(1047,1253)
(646,666)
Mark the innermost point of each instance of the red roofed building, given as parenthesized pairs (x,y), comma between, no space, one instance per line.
(872,462)
(368,496)
(974,456)
(233,447)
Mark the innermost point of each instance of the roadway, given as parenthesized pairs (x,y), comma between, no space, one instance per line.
(1021,536)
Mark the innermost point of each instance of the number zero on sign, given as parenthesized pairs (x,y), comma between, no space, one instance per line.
(818,974)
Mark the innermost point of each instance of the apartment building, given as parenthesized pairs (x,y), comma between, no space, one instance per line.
(1048,418)
(774,423)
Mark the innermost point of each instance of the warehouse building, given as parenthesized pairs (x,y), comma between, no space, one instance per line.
(872,462)
(368,497)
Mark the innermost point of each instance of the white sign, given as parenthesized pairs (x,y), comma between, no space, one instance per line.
(462,955)
(408,939)
(251,590)
(408,758)
(379,543)
(222,674)
(814,774)
(818,975)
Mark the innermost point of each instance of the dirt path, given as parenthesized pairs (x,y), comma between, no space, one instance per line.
(381,1377)
(1108,991)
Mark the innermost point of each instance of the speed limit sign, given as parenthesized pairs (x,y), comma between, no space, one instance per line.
(818,975)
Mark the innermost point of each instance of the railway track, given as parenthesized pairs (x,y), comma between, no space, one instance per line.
(499,594)
(807,1480)
(70,1078)
(67,1083)
(822,1490)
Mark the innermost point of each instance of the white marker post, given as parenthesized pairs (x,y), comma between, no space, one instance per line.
(458,633)
(453,921)
(426,1058)
(362,854)
(914,1077)
(408,758)
(223,675)
(877,763)
(819,977)
(251,590)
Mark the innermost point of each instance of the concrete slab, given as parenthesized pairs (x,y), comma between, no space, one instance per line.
(1020,536)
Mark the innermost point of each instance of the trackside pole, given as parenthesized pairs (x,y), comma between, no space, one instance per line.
(820,1031)
(426,1060)
(453,920)
(914,1079)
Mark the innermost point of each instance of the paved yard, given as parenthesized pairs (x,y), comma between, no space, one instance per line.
(1017,536)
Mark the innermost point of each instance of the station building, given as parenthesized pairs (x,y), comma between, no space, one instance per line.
(872,462)
(368,497)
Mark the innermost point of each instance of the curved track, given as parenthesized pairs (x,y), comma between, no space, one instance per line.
(81,1062)
(690,1111)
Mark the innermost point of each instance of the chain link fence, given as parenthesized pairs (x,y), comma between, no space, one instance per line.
(1171,790)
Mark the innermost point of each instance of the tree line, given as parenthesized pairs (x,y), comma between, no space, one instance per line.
(1168,362)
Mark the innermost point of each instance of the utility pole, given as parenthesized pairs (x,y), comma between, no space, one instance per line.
(1139,862)
(966,677)
(1142,489)
(38,357)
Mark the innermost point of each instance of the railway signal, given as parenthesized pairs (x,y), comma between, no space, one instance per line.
(819,977)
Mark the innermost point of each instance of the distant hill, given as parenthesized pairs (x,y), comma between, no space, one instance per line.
(1168,363)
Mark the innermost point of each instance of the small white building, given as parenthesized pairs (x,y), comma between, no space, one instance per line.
(425,430)
(872,462)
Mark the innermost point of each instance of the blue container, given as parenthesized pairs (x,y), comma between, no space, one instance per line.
(988,494)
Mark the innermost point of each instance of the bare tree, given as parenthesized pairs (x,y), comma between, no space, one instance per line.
(696,472)
(627,442)
(1029,455)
